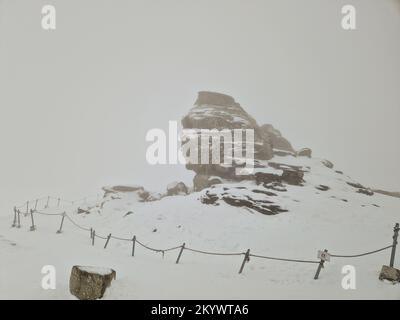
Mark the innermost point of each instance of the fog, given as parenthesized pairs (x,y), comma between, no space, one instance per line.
(77,102)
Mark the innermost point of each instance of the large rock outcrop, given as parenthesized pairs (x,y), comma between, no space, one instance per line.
(277,140)
(219,111)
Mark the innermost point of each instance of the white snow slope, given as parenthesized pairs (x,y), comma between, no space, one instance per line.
(315,220)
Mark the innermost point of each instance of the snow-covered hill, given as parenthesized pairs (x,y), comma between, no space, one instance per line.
(328,211)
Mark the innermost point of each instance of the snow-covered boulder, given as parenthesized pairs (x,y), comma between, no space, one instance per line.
(201,181)
(177,188)
(305,152)
(290,176)
(327,163)
(154,196)
(250,198)
(121,189)
(90,283)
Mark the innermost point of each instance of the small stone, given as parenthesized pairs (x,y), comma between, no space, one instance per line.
(327,163)
(367,192)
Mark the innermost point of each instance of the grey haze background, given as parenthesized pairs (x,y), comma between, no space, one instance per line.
(77,102)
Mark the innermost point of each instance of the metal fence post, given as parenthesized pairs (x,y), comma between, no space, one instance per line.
(18,219)
(320,266)
(33,227)
(133,245)
(180,253)
(15,218)
(62,222)
(108,239)
(395,236)
(246,259)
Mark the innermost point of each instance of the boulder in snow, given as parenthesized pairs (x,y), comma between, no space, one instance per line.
(201,181)
(121,189)
(367,192)
(251,199)
(389,273)
(322,187)
(305,152)
(90,283)
(293,177)
(327,163)
(177,188)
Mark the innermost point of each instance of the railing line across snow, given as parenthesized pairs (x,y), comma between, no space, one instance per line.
(324,256)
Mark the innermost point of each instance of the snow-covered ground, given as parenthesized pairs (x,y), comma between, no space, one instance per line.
(339,219)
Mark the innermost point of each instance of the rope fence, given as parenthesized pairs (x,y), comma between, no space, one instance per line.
(361,254)
(32,204)
(323,256)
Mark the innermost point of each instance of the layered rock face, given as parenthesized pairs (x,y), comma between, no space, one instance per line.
(221,112)
(277,140)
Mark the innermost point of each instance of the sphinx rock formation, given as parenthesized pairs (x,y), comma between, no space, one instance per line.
(218,111)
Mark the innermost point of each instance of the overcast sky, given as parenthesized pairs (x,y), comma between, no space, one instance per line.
(76,102)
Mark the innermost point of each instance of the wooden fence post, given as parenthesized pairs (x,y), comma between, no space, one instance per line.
(62,222)
(27,207)
(108,239)
(180,253)
(395,236)
(19,219)
(320,266)
(246,259)
(33,227)
(133,245)
(93,236)
(15,218)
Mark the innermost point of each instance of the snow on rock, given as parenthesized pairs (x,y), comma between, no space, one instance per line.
(202,181)
(90,283)
(214,110)
(305,152)
(177,188)
(97,270)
